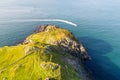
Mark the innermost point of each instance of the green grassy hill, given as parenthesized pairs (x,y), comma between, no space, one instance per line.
(44,55)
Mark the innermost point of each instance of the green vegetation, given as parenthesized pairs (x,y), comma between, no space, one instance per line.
(38,58)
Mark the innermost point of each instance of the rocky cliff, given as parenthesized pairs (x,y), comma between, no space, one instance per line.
(51,53)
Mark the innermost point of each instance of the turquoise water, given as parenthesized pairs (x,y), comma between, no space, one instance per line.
(98,28)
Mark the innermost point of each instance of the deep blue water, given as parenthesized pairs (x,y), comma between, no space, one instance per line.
(98,28)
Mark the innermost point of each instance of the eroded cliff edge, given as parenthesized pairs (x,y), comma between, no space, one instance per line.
(51,53)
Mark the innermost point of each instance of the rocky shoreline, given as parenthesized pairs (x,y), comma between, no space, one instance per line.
(50,53)
(75,48)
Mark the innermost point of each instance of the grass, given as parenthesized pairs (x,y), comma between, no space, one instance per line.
(33,61)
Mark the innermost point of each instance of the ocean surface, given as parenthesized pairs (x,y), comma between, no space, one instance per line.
(98,28)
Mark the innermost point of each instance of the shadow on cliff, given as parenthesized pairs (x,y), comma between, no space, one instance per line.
(100,66)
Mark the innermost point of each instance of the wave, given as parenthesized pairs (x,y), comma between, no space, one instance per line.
(34,20)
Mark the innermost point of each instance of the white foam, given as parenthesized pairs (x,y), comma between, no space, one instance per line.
(34,20)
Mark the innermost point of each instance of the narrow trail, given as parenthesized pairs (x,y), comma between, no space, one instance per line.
(15,62)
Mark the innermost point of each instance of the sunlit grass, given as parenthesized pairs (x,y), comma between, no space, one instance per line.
(32,60)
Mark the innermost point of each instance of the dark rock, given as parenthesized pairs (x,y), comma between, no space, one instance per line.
(74,48)
(40,28)
(44,28)
(71,46)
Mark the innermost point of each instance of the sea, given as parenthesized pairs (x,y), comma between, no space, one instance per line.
(95,23)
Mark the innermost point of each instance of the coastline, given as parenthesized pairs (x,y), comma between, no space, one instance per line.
(79,60)
(65,46)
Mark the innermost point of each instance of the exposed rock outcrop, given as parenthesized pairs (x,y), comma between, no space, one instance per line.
(71,46)
(44,28)
(51,53)
(74,48)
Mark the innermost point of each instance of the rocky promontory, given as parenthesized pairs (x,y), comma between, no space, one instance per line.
(50,53)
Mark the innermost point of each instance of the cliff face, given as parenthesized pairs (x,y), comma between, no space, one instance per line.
(51,53)
(66,41)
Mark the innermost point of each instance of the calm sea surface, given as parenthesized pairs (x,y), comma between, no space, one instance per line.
(98,28)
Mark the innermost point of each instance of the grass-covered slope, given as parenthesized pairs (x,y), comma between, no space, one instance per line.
(40,57)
